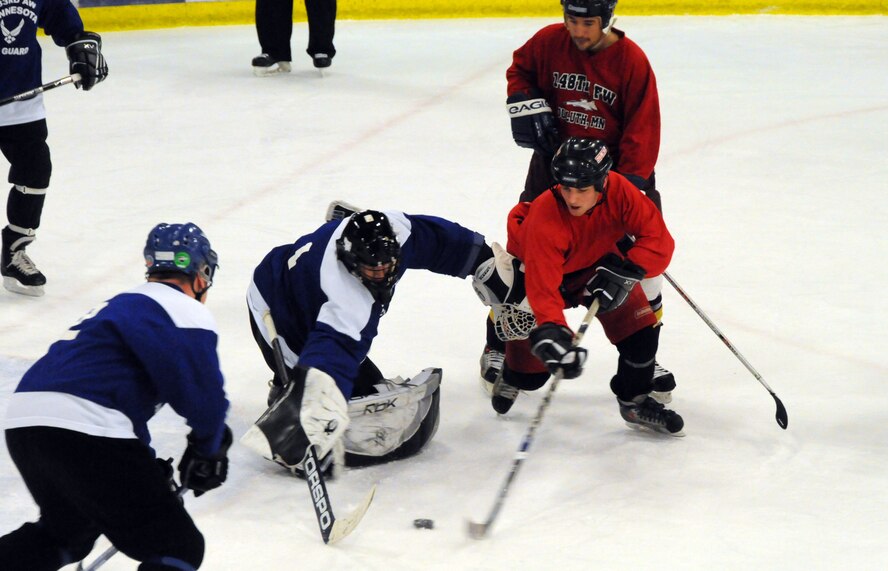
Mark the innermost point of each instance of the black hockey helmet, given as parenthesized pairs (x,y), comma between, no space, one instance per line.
(591,9)
(370,251)
(580,162)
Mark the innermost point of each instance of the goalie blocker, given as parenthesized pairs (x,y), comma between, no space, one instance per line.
(393,423)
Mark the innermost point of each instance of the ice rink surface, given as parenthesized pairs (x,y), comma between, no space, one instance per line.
(773,173)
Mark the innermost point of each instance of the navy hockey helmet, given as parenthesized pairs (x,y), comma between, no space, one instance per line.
(580,162)
(591,9)
(182,248)
(370,251)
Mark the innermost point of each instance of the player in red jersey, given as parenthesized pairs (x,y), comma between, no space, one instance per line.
(584,78)
(565,242)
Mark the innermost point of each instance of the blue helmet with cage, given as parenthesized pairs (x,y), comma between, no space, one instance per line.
(180,248)
(591,9)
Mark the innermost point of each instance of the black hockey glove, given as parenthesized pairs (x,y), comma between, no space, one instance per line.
(85,57)
(613,280)
(204,473)
(533,124)
(553,345)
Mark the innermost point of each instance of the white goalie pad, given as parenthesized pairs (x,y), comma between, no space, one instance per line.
(382,422)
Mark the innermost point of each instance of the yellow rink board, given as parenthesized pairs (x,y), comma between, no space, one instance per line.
(242,12)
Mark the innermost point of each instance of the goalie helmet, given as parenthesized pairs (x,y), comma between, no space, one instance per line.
(591,9)
(369,250)
(580,163)
(182,248)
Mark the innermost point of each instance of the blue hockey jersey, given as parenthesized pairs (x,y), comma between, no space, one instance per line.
(326,318)
(121,363)
(20,55)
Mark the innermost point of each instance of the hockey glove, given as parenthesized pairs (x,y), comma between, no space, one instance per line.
(613,280)
(533,124)
(85,57)
(553,345)
(203,473)
(499,279)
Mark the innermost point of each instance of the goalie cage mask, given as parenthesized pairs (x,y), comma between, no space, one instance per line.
(369,250)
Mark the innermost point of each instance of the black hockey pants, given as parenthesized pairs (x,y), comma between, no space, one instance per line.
(89,485)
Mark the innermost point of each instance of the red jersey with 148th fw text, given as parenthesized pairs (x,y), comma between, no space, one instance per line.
(610,95)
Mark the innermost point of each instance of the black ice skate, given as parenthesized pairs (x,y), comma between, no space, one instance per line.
(20,275)
(491,365)
(321,61)
(264,65)
(644,412)
(504,396)
(664,384)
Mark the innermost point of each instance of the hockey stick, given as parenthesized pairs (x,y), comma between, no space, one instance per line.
(479,530)
(32,93)
(782,419)
(332,529)
(112,551)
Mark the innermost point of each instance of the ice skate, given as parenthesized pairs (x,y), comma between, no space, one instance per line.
(340,210)
(491,365)
(20,275)
(664,384)
(264,65)
(504,396)
(644,412)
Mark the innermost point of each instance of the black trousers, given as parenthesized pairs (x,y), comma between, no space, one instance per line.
(274,26)
(86,486)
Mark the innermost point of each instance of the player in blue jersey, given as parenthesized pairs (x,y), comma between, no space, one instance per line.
(76,426)
(326,294)
(23,123)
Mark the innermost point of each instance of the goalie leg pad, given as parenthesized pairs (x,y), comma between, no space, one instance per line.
(381,423)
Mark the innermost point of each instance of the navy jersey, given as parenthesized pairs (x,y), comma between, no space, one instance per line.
(20,55)
(122,362)
(325,316)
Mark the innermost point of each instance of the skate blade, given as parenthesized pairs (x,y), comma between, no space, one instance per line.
(652,430)
(16,286)
(277,69)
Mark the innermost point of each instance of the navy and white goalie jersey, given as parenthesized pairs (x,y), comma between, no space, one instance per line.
(324,314)
(20,55)
(115,368)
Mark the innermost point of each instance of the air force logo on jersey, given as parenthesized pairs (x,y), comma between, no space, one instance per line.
(9,36)
(583,104)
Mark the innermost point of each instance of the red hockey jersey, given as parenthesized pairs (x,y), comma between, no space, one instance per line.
(552,243)
(610,95)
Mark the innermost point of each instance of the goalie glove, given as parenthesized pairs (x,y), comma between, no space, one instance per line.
(533,124)
(613,280)
(85,57)
(553,345)
(499,283)
(324,413)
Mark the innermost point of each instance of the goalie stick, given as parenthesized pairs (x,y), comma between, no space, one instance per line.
(32,93)
(781,416)
(479,530)
(332,529)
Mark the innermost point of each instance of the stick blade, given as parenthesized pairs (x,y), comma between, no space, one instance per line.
(344,526)
(782,419)
(477,530)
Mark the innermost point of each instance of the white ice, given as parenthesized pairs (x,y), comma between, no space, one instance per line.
(773,174)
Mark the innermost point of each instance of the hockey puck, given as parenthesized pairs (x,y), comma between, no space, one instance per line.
(423,524)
